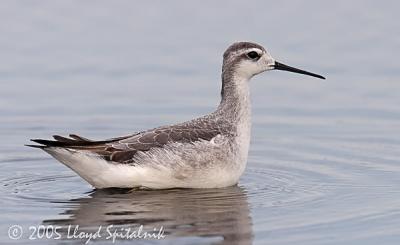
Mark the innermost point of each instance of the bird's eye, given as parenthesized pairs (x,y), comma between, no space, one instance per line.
(253,55)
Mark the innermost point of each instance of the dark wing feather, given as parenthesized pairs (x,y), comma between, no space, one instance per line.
(123,149)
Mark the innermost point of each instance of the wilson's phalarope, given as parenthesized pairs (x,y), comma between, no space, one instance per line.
(206,152)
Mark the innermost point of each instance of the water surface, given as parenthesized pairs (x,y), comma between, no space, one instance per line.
(324,163)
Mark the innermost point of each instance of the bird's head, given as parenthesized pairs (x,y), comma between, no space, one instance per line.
(246,59)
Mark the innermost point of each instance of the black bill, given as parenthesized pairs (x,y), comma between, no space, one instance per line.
(283,67)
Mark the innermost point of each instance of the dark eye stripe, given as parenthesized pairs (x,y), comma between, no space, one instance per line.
(253,55)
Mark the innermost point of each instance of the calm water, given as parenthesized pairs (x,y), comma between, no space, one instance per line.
(324,164)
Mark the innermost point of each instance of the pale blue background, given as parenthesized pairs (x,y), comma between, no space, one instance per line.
(324,165)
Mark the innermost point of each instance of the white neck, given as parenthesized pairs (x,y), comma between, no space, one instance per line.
(235,101)
(235,107)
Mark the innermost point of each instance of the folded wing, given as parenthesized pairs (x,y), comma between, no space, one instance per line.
(123,149)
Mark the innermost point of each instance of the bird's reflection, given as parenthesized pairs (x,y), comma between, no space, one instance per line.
(221,215)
